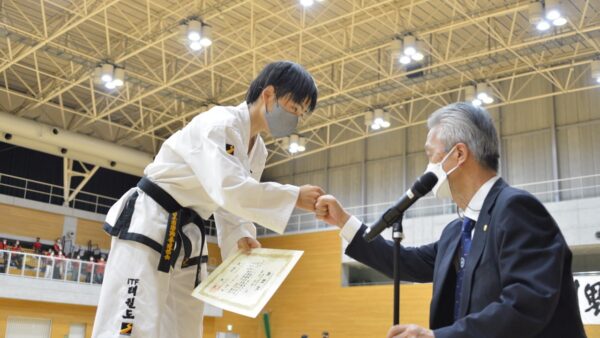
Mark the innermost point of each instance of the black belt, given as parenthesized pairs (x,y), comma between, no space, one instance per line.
(174,239)
(174,236)
(159,195)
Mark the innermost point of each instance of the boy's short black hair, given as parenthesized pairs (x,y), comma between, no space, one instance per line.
(288,78)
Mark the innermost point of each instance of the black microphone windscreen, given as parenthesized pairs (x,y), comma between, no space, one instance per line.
(424,184)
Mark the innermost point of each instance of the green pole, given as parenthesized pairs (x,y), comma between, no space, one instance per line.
(267,325)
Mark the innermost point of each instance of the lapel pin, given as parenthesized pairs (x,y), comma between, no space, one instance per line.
(485,227)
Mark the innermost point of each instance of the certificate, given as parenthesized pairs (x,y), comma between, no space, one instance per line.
(244,283)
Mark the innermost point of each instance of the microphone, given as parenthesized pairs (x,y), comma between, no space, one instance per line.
(420,188)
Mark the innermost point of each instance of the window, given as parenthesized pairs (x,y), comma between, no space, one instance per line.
(77,331)
(21,327)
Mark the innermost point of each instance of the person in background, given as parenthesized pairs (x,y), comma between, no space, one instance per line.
(48,263)
(37,246)
(3,246)
(61,264)
(17,257)
(99,271)
(76,268)
(97,252)
(89,269)
(57,246)
(89,251)
(71,267)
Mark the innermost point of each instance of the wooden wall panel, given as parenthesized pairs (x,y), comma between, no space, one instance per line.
(61,315)
(30,223)
(592,330)
(312,299)
(92,230)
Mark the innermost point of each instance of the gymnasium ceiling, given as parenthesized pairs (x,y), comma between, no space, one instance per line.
(49,48)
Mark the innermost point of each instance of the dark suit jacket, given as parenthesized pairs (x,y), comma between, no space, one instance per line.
(517,281)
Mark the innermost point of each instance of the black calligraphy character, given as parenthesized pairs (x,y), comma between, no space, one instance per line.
(592,295)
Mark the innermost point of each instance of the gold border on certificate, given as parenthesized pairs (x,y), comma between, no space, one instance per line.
(244,283)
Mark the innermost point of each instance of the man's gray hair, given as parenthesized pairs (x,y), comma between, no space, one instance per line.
(464,123)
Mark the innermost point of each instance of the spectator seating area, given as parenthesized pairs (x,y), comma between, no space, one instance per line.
(40,260)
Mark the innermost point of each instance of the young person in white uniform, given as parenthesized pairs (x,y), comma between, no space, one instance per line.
(210,167)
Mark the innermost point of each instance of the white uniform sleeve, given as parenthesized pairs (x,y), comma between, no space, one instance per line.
(228,182)
(230,229)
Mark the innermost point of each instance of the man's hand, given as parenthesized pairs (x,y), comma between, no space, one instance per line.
(330,211)
(308,197)
(246,244)
(409,331)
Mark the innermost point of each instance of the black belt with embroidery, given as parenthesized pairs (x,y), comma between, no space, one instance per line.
(174,239)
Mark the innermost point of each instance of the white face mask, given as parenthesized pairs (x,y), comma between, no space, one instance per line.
(441,189)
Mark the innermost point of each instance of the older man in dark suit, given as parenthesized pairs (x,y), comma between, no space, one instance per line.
(502,269)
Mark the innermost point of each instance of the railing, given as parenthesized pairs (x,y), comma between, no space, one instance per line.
(547,191)
(14,263)
(53,194)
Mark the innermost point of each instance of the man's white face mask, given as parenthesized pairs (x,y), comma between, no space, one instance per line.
(441,189)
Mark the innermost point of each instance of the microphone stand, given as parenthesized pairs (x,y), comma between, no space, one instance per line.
(398,236)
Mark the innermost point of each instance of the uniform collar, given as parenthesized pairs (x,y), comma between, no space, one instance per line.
(476,202)
(243,113)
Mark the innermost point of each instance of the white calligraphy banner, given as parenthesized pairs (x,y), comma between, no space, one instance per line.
(244,283)
(588,292)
